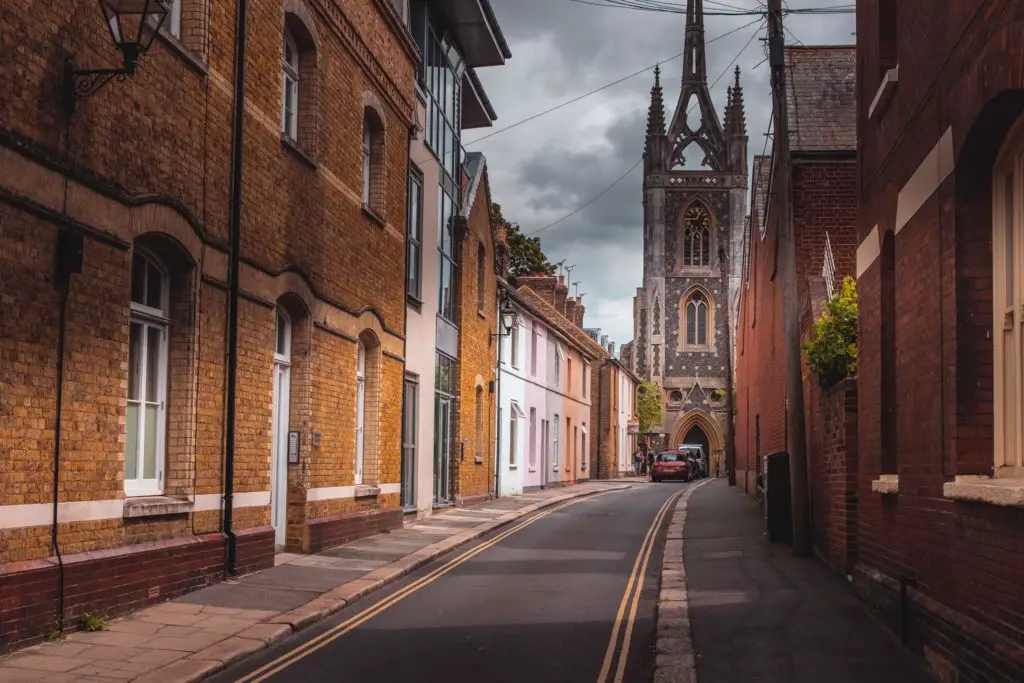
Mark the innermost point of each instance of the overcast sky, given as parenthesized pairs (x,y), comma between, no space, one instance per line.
(542,170)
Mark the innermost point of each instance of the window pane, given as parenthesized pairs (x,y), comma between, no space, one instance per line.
(153,342)
(149,445)
(131,442)
(154,287)
(282,334)
(135,362)
(1010,227)
(702,324)
(138,279)
(691,323)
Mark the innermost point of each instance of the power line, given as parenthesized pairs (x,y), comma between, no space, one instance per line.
(638,161)
(603,87)
(731,11)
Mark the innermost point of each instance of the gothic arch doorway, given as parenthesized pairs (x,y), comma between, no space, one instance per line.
(700,427)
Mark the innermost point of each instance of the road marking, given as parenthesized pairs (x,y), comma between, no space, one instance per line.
(642,557)
(309,647)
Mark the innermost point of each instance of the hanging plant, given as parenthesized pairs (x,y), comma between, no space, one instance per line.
(832,350)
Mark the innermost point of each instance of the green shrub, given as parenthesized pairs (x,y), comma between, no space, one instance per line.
(94,622)
(832,350)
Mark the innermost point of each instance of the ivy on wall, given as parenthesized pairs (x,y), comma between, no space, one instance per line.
(832,350)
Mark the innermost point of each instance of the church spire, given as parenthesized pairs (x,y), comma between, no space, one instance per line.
(709,135)
(694,64)
(736,115)
(656,112)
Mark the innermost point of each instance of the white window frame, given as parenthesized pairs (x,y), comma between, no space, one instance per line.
(514,347)
(533,439)
(367,160)
(583,445)
(586,373)
(533,349)
(158,319)
(559,357)
(1008,307)
(174,17)
(360,410)
(554,443)
(290,86)
(516,414)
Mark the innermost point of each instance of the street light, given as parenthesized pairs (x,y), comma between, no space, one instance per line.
(133,24)
(509,318)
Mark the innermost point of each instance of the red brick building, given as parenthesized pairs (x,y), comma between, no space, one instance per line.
(124,362)
(940,265)
(821,108)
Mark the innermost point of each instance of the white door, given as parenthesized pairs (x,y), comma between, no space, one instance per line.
(279,452)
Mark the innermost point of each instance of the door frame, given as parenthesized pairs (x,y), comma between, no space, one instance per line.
(279,440)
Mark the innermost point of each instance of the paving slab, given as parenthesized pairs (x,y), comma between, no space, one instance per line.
(258,597)
(319,579)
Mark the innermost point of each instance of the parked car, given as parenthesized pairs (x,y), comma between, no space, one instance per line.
(697,452)
(670,465)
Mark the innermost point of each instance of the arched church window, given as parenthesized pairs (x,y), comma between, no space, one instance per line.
(697,236)
(697,322)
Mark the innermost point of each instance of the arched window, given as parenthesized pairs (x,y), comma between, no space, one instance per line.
(698,312)
(1008,325)
(146,418)
(697,236)
(481,277)
(299,83)
(290,87)
(373,161)
(360,409)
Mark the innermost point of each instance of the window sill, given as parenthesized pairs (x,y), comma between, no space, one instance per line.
(886,484)
(367,490)
(414,301)
(478,460)
(372,213)
(531,469)
(513,467)
(184,52)
(885,91)
(293,147)
(481,313)
(155,506)
(991,490)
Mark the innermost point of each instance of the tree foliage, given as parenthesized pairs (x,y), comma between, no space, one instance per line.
(649,406)
(832,350)
(525,256)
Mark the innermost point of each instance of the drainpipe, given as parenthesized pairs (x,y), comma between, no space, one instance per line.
(497,409)
(235,226)
(405,337)
(68,261)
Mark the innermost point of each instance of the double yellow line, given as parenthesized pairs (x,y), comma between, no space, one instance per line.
(309,647)
(631,598)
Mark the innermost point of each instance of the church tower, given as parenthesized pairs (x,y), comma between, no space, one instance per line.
(695,187)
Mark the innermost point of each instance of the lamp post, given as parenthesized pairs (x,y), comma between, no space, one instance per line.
(133,24)
(508,317)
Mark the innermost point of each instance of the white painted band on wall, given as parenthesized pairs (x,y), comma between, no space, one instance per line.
(868,251)
(41,514)
(935,168)
(341,492)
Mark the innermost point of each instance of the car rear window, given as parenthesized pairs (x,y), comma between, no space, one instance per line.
(670,457)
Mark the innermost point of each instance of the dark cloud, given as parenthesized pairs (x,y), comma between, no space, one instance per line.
(545,169)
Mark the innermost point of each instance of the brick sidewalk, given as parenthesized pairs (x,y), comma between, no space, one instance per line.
(189,638)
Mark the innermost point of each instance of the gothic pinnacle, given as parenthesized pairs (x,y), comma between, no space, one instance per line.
(656,112)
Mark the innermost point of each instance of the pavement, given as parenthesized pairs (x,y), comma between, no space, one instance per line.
(547,600)
(194,636)
(758,614)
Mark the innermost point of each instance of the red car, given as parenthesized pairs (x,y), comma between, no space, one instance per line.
(670,465)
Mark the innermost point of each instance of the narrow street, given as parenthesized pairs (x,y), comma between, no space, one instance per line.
(537,600)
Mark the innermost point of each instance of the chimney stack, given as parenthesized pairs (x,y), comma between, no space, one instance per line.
(543,285)
(604,340)
(561,292)
(579,312)
(611,349)
(570,310)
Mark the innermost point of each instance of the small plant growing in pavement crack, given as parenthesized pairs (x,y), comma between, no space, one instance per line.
(94,622)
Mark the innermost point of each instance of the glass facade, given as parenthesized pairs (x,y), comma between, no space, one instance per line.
(440,75)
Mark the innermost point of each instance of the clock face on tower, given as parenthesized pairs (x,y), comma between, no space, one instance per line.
(697,217)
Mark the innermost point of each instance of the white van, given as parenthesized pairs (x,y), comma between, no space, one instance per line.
(696,450)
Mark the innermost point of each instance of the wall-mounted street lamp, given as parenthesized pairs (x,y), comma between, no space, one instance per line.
(133,24)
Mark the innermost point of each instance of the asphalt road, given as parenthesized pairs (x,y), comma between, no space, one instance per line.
(536,601)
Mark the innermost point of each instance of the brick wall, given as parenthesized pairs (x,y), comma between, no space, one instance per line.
(966,610)
(150,157)
(476,350)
